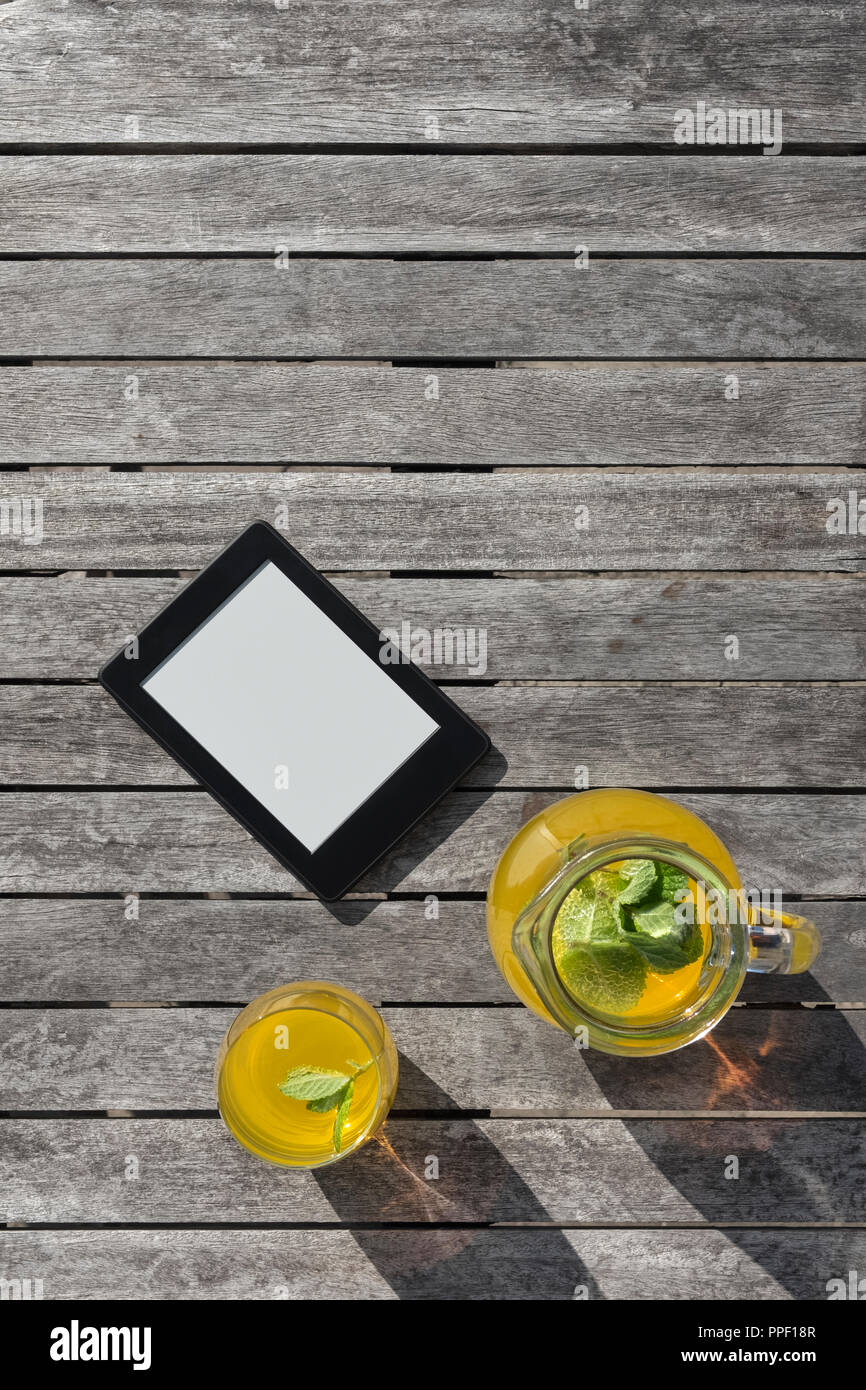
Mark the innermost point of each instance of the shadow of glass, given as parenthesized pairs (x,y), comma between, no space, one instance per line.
(457,1253)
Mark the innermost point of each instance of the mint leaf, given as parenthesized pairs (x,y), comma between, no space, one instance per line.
(664,954)
(330,1102)
(608,976)
(324,1090)
(343,1115)
(656,919)
(666,944)
(591,911)
(312,1083)
(614,927)
(593,955)
(637,879)
(673,883)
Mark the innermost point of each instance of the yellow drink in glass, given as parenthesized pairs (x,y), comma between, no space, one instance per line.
(306,1074)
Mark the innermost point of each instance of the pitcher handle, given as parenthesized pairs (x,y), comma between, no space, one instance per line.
(781,942)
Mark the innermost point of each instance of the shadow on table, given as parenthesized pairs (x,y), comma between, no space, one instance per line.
(421,842)
(453,1254)
(765,1060)
(440,1240)
(448,1246)
(437,1245)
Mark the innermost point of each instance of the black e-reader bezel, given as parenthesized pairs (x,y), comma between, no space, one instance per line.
(380,821)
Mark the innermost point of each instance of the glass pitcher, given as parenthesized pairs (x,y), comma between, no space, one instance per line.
(567,874)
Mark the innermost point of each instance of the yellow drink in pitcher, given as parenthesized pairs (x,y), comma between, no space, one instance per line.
(612,939)
(306,1074)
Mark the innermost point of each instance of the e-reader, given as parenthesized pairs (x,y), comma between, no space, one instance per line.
(278,696)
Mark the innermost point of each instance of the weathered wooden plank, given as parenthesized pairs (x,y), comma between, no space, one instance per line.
(313,73)
(89,949)
(326,1264)
(649,735)
(498,1059)
(794,627)
(410,203)
(596,520)
(644,1171)
(498,1264)
(179,842)
(595,415)
(210,949)
(376,308)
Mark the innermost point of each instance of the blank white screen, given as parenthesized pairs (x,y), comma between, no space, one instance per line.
(269,682)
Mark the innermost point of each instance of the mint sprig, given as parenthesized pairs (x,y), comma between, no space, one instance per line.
(636,880)
(614,927)
(324,1090)
(343,1113)
(311,1083)
(674,883)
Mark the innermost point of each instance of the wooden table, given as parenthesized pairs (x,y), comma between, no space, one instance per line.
(321,262)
